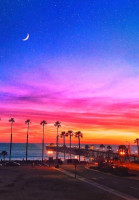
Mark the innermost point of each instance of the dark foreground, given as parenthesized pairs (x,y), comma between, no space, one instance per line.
(41,183)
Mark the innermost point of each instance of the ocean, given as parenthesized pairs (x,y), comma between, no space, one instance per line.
(35,151)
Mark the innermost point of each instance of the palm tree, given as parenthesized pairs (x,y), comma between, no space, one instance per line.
(58,125)
(137,141)
(4,154)
(109,151)
(27,122)
(63,135)
(43,123)
(70,133)
(122,151)
(79,135)
(109,148)
(102,146)
(122,148)
(11,121)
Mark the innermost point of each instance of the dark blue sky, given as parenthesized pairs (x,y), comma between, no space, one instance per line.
(69,27)
(93,32)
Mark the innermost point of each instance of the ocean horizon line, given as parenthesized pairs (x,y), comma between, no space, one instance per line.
(68,143)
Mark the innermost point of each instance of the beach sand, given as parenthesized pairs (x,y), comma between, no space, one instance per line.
(41,183)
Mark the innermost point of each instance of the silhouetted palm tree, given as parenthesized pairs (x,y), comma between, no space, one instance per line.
(63,135)
(109,147)
(43,123)
(11,121)
(70,133)
(122,151)
(102,146)
(58,125)
(109,152)
(79,135)
(122,148)
(27,122)
(137,142)
(4,154)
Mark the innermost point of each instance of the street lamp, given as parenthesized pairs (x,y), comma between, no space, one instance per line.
(75,166)
(49,152)
(122,153)
(50,155)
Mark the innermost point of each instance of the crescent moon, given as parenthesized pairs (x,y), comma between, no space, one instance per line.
(25,39)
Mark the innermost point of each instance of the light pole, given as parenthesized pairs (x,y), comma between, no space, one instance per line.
(129,150)
(50,153)
(75,167)
(122,154)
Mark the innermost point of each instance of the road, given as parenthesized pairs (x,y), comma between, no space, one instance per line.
(127,186)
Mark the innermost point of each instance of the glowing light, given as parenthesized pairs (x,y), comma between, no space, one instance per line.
(49,152)
(122,153)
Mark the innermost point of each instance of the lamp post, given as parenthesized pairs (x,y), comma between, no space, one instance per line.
(50,153)
(128,150)
(122,154)
(75,167)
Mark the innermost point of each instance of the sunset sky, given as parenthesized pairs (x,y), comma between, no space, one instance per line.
(80,66)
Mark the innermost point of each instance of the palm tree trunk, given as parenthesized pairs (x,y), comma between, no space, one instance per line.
(27,143)
(138,146)
(11,141)
(57,146)
(64,146)
(70,146)
(79,147)
(43,144)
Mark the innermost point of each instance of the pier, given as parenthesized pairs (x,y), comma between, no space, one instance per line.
(89,153)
